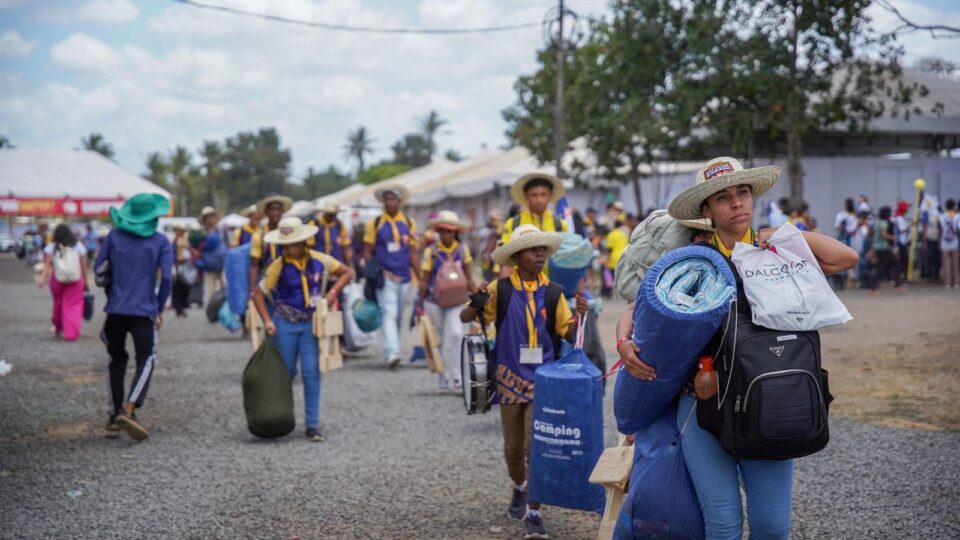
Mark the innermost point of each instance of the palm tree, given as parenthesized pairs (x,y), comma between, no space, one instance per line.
(430,125)
(179,164)
(157,170)
(98,144)
(358,145)
(213,155)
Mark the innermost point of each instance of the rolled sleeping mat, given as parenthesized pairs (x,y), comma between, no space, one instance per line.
(569,264)
(683,300)
(236,271)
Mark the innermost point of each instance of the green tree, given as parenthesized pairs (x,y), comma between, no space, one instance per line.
(412,150)
(212,155)
(98,144)
(179,164)
(382,172)
(429,127)
(359,145)
(316,184)
(453,155)
(158,170)
(253,166)
(5,142)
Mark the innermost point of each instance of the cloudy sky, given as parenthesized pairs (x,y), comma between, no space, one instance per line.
(152,74)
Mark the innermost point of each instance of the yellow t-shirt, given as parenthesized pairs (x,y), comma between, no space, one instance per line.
(748,238)
(271,278)
(546,222)
(617,242)
(426,264)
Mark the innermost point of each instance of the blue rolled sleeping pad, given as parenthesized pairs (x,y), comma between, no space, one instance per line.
(682,301)
(236,271)
(569,264)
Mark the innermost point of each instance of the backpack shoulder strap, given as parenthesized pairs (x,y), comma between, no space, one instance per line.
(551,301)
(515,222)
(376,223)
(557,224)
(504,292)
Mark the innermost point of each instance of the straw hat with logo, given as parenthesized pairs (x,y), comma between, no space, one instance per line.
(719,174)
(290,230)
(447,219)
(517,191)
(284,201)
(401,192)
(526,237)
(140,214)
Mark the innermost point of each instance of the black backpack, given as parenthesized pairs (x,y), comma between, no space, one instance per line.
(554,291)
(774,396)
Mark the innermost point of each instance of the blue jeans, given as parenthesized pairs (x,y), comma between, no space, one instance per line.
(391,299)
(296,339)
(716,477)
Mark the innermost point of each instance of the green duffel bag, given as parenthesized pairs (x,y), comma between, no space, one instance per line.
(267,393)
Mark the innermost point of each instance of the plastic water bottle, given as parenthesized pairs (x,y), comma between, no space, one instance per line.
(706,383)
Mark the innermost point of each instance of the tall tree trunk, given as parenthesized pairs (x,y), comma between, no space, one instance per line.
(213,198)
(794,163)
(635,180)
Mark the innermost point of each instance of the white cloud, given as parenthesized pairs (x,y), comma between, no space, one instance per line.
(109,11)
(12,45)
(85,53)
(11,3)
(918,44)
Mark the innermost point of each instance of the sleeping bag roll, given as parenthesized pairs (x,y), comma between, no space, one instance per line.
(236,272)
(683,300)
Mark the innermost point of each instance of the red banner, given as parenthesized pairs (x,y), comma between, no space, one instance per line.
(57,207)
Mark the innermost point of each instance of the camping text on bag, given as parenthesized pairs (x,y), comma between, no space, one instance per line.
(451,284)
(66,264)
(785,286)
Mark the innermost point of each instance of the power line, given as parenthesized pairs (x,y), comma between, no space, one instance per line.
(358,29)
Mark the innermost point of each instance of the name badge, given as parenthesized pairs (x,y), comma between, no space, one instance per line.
(393,247)
(531,355)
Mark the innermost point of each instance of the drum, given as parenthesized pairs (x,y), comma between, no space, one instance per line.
(478,385)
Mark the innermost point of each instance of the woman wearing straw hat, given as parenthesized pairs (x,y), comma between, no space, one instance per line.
(391,238)
(724,194)
(211,253)
(261,255)
(448,227)
(296,281)
(332,237)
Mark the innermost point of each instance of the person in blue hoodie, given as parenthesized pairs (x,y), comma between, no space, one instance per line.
(135,257)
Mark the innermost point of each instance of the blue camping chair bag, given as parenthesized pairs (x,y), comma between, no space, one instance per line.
(567,433)
(681,303)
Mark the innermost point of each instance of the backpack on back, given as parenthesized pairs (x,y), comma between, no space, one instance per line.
(650,240)
(66,264)
(773,395)
(550,301)
(450,285)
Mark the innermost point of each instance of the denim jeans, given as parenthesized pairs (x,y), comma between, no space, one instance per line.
(296,339)
(391,299)
(716,477)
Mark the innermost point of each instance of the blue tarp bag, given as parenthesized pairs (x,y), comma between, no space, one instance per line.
(567,434)
(213,254)
(237,271)
(569,264)
(661,502)
(681,303)
(226,317)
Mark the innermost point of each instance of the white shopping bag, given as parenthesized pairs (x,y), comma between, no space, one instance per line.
(785,286)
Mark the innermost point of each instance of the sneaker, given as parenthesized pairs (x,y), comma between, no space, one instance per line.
(313,435)
(113,429)
(533,528)
(393,361)
(518,504)
(134,429)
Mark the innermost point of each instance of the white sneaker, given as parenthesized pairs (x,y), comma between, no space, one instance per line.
(393,361)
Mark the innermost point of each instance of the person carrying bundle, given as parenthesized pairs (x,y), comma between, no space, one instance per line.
(296,283)
(724,194)
(532,316)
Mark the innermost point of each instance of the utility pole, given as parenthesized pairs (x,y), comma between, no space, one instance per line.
(559,141)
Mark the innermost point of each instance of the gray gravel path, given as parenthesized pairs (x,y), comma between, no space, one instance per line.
(400,461)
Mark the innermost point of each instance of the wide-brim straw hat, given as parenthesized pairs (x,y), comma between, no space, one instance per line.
(207,210)
(517,191)
(262,204)
(290,230)
(326,208)
(249,211)
(447,219)
(526,237)
(400,191)
(719,174)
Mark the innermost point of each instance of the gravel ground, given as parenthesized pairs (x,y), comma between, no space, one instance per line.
(400,461)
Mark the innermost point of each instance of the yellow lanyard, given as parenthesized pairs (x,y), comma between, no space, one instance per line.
(393,224)
(301,266)
(326,238)
(537,220)
(529,287)
(748,238)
